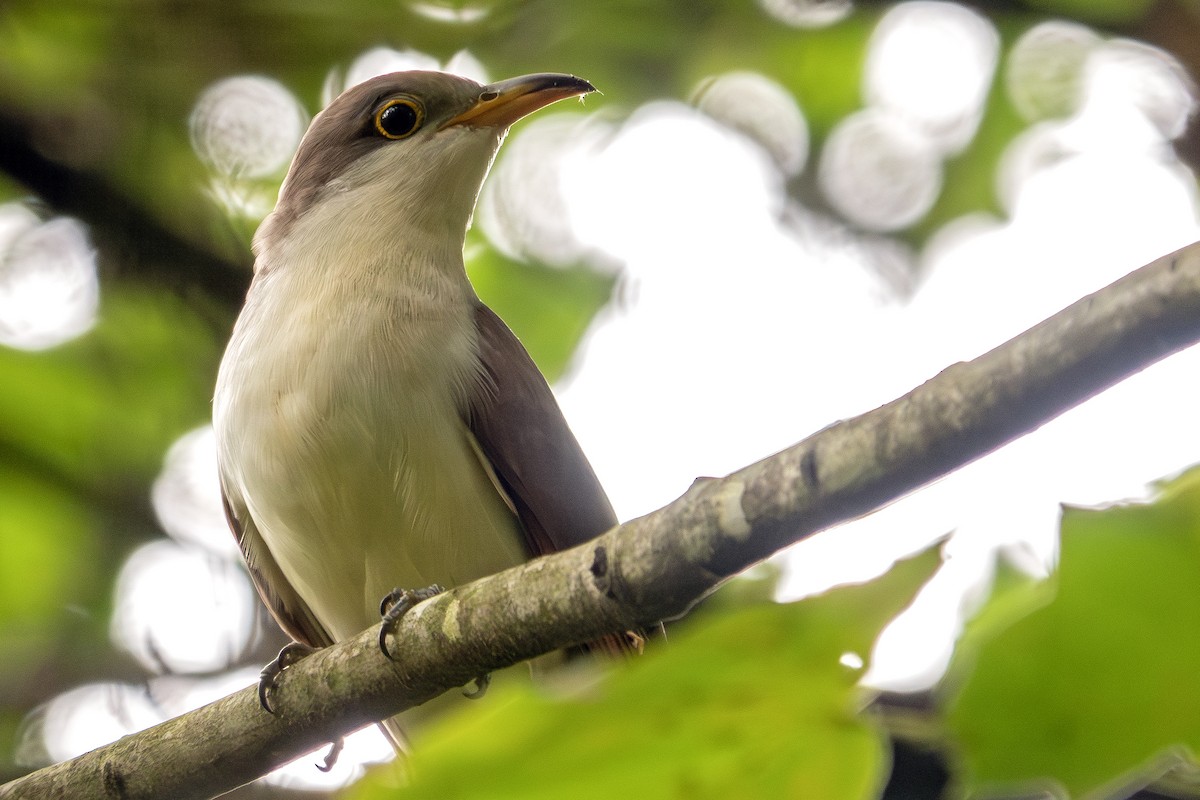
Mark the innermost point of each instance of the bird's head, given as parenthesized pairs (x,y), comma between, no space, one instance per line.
(409,148)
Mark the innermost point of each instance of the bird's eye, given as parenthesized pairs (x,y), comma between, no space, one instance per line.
(399,118)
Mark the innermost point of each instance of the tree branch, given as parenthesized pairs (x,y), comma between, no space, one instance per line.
(656,567)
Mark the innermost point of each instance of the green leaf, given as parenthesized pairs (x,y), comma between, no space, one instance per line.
(1087,682)
(752,703)
(548,308)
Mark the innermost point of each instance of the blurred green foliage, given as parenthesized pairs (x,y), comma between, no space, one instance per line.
(99,411)
(567,300)
(83,431)
(1100,12)
(45,531)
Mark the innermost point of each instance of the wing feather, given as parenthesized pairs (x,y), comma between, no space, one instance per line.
(285,605)
(530,448)
(535,457)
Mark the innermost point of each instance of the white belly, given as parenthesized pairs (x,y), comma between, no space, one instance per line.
(344,442)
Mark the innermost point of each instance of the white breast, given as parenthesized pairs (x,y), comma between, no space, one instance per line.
(339,425)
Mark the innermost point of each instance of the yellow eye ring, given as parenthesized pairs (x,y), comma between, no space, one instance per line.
(399,118)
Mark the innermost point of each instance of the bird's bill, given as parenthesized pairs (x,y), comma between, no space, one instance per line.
(501,104)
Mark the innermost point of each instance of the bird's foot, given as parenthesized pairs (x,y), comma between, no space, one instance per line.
(290,654)
(481,686)
(331,758)
(395,605)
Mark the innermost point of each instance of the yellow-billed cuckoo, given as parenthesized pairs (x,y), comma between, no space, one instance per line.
(377,425)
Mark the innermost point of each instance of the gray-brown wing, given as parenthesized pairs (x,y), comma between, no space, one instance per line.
(292,613)
(536,457)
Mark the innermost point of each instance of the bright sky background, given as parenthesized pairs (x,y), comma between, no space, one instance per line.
(745,322)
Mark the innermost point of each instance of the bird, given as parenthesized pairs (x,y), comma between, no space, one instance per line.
(377,425)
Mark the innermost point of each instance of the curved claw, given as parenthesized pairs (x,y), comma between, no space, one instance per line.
(481,686)
(290,654)
(383,634)
(331,758)
(389,600)
(396,604)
